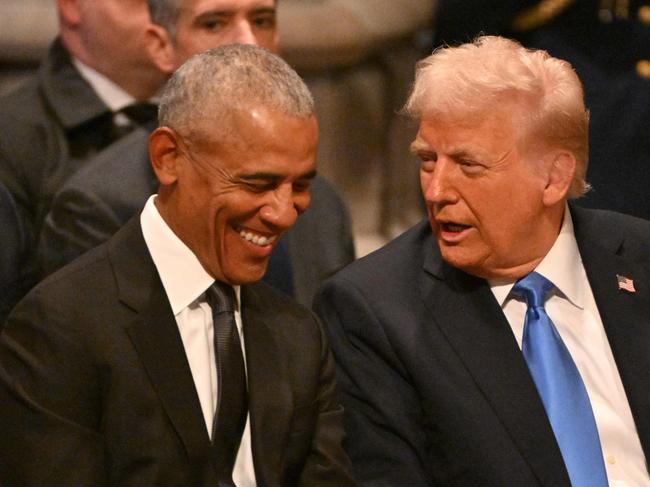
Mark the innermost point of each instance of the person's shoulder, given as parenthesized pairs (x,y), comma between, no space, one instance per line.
(24,104)
(262,297)
(630,232)
(610,222)
(398,259)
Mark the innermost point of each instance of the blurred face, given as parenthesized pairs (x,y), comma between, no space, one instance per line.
(206,24)
(233,200)
(484,201)
(113,32)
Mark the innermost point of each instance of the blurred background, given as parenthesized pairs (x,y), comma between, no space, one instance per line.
(357,57)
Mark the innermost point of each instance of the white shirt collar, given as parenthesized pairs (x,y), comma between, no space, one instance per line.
(113,96)
(561,266)
(182,275)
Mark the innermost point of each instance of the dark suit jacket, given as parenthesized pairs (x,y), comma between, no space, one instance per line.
(604,53)
(48,126)
(13,241)
(435,387)
(112,187)
(95,387)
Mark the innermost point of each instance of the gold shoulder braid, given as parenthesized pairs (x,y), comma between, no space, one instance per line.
(539,14)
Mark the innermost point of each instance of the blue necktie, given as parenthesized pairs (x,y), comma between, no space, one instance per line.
(560,386)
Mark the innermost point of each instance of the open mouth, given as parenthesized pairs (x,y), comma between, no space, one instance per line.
(256,238)
(449,227)
(452,232)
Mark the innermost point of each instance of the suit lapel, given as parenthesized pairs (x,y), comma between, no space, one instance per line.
(470,318)
(270,396)
(625,315)
(156,338)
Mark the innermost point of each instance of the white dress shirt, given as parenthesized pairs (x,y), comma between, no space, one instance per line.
(113,96)
(185,282)
(573,310)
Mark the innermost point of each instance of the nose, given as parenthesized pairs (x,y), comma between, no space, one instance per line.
(437,185)
(283,207)
(244,33)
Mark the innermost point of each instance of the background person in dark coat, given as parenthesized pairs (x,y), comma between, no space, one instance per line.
(102,196)
(70,109)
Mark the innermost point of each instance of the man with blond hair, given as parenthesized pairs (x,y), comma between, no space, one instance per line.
(504,341)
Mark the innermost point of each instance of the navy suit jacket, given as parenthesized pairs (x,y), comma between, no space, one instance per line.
(436,389)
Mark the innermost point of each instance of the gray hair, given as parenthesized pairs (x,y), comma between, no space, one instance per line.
(213,84)
(473,79)
(165,13)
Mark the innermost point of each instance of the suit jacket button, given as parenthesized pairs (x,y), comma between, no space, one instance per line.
(643,68)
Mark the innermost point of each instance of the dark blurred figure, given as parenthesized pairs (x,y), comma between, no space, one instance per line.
(88,92)
(608,44)
(111,188)
(12,249)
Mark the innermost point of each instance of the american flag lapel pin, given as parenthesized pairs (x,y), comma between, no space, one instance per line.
(625,284)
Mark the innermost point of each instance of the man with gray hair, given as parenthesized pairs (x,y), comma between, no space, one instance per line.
(503,342)
(94,204)
(158,358)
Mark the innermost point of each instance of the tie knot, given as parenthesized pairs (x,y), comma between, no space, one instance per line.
(533,288)
(141,113)
(221,297)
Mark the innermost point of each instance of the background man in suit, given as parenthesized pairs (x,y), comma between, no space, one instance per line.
(107,368)
(102,196)
(503,341)
(71,108)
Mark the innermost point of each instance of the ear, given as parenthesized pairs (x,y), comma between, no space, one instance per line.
(561,172)
(166,155)
(69,12)
(160,48)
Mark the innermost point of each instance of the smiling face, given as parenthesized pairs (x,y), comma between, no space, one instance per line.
(206,24)
(230,199)
(491,210)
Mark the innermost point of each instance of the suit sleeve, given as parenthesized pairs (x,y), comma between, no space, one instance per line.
(76,222)
(384,433)
(327,463)
(50,402)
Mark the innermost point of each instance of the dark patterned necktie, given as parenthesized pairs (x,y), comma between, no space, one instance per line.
(232,404)
(141,113)
(560,386)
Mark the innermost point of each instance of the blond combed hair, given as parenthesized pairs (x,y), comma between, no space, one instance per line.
(493,74)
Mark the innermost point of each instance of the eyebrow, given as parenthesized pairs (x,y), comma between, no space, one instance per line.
(419,146)
(229,12)
(269,176)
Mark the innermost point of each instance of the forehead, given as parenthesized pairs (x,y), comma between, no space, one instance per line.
(250,134)
(478,129)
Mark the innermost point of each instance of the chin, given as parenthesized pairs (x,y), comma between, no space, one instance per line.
(249,275)
(462,259)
